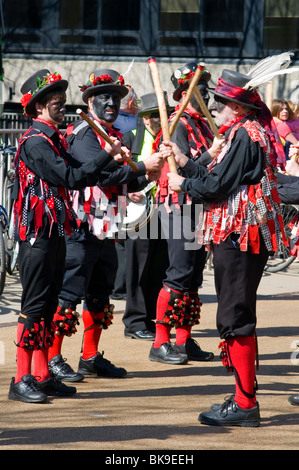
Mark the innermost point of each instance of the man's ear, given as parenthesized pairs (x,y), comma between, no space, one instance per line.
(38,108)
(236,108)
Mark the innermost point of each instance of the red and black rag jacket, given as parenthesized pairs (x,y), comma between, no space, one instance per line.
(38,202)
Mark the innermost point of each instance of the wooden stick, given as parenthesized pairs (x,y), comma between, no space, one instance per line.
(193,83)
(103,135)
(162,108)
(206,112)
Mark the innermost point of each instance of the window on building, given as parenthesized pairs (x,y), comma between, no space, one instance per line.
(281,27)
(120,22)
(170,28)
(223,23)
(22,21)
(179,23)
(78,21)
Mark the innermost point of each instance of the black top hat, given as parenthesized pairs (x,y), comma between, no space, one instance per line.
(230,87)
(149,104)
(180,78)
(105,80)
(38,85)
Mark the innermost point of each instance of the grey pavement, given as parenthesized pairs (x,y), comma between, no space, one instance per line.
(156,407)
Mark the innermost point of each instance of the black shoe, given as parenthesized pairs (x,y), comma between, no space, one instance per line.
(294,400)
(61,370)
(217,406)
(230,414)
(54,387)
(193,351)
(167,354)
(141,334)
(26,390)
(101,367)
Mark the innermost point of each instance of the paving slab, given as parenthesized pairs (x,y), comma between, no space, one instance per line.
(156,407)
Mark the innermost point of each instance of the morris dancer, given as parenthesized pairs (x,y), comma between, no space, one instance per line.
(43,216)
(178,304)
(242,223)
(91,258)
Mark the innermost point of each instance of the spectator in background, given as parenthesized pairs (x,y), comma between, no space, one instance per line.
(293,122)
(283,115)
(125,122)
(127,118)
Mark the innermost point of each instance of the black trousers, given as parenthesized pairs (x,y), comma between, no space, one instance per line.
(90,270)
(237,277)
(146,263)
(41,267)
(186,257)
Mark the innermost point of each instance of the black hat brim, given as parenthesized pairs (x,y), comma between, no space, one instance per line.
(107,87)
(153,110)
(249,105)
(59,84)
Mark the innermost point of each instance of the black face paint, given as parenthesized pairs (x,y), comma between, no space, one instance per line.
(56,108)
(218,104)
(106,106)
(205,94)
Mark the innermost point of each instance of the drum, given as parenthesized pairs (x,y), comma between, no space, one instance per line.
(139,213)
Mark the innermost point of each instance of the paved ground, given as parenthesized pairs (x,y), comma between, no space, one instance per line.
(156,407)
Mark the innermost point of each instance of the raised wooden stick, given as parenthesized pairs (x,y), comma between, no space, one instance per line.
(162,108)
(103,135)
(192,85)
(206,112)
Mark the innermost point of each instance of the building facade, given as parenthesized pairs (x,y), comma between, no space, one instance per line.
(75,37)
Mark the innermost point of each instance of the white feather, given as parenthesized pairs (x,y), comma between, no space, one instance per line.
(129,68)
(271,64)
(260,80)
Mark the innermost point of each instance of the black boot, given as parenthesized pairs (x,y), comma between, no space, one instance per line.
(193,351)
(231,414)
(59,368)
(98,365)
(167,354)
(54,387)
(26,390)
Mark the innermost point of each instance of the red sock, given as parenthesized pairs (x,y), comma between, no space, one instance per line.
(162,330)
(242,353)
(55,349)
(40,365)
(24,357)
(182,334)
(92,334)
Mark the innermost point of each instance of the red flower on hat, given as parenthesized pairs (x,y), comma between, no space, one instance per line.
(50,78)
(102,79)
(183,78)
(25,99)
(53,77)
(120,80)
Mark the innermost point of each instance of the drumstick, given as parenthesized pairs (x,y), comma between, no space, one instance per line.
(103,135)
(193,83)
(162,108)
(206,112)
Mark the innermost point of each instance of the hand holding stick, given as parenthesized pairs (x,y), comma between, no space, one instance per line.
(162,108)
(103,135)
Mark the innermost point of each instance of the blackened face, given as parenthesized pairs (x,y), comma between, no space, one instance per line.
(204,93)
(221,111)
(106,106)
(56,108)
